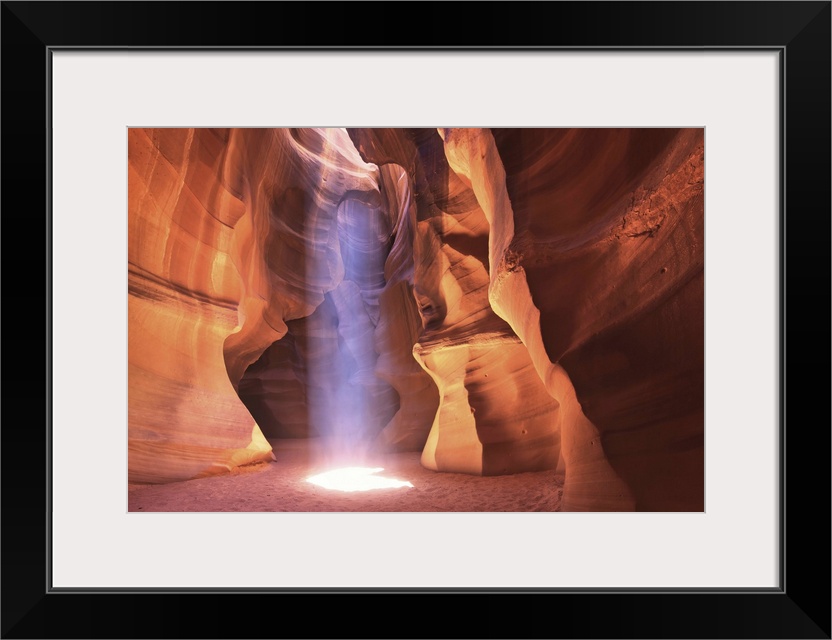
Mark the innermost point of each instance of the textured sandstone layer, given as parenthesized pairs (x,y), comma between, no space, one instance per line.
(597,242)
(185,420)
(232,234)
(246,238)
(495,416)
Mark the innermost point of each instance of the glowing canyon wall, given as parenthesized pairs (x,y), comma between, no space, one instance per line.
(500,300)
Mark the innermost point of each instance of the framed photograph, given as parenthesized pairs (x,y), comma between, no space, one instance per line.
(575,198)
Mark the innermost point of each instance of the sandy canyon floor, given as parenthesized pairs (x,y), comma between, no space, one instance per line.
(282,486)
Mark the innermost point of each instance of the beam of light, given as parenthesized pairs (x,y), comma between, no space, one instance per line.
(356,479)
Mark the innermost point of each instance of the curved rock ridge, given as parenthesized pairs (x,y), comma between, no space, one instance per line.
(399,324)
(505,424)
(597,239)
(185,419)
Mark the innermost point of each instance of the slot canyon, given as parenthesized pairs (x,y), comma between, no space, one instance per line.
(492,319)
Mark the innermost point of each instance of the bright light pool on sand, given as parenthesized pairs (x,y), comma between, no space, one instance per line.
(356,479)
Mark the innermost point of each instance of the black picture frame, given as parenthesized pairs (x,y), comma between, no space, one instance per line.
(799,608)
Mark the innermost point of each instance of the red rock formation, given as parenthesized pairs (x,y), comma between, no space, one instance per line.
(185,419)
(506,301)
(232,233)
(236,236)
(494,416)
(597,239)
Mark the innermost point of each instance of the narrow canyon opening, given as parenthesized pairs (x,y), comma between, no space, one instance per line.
(321,380)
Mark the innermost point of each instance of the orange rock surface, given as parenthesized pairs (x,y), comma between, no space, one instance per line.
(597,237)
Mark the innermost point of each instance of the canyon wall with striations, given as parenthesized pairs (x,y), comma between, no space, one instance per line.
(234,235)
(597,245)
(500,300)
(495,415)
(273,248)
